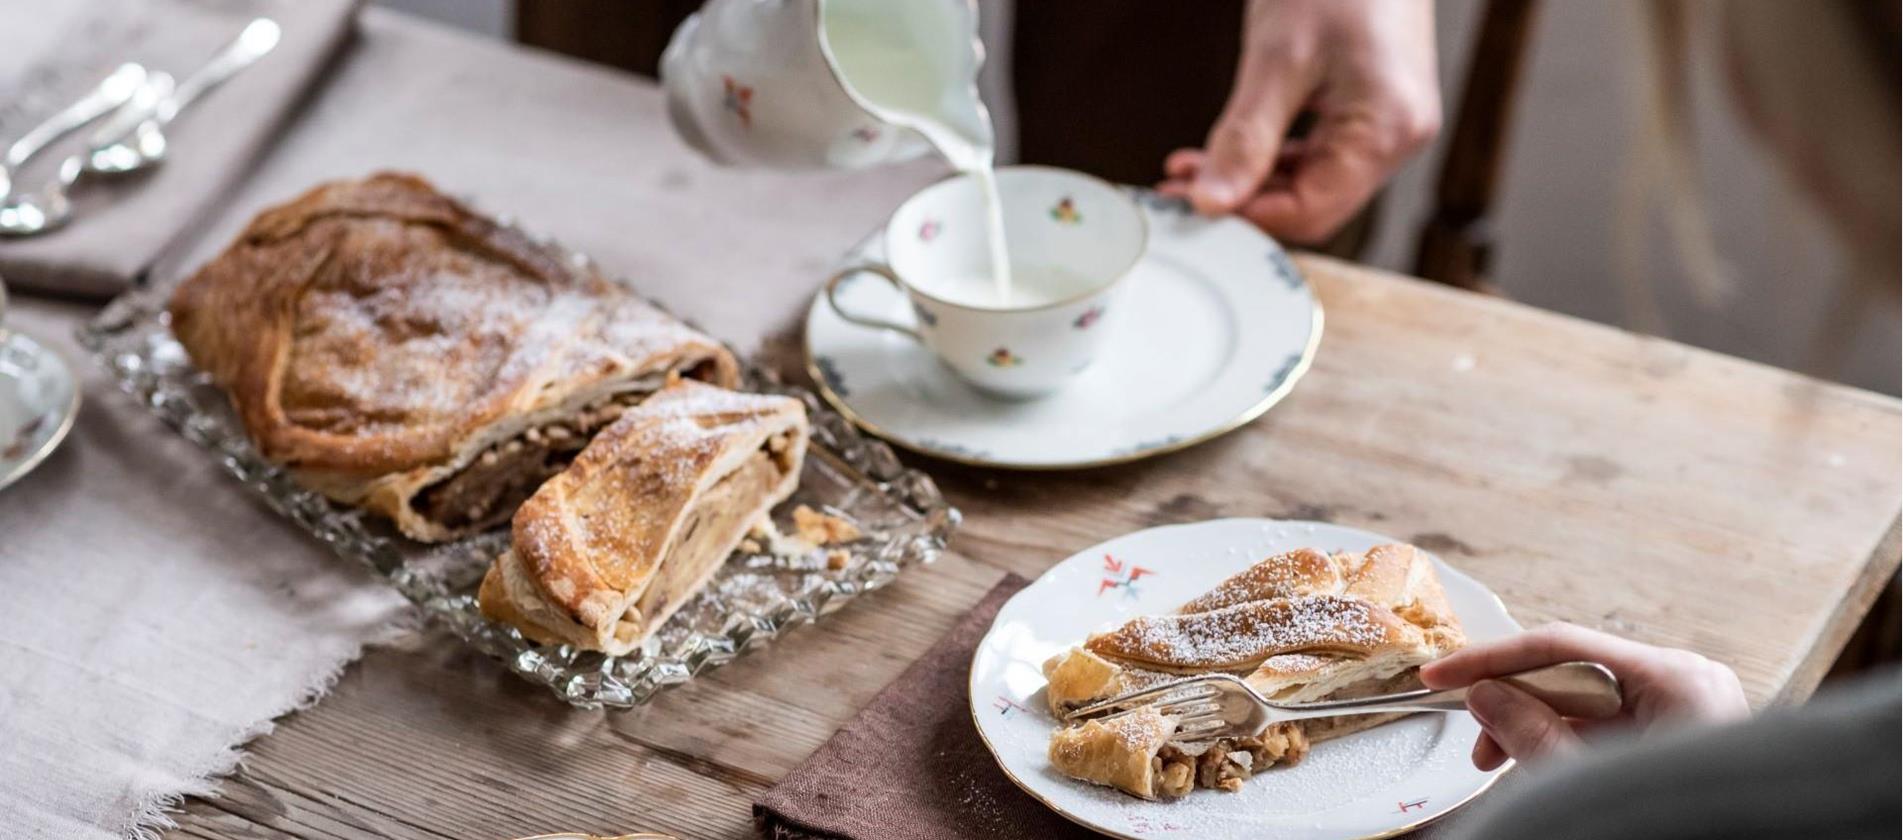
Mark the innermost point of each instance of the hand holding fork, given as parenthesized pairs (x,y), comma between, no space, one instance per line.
(1214,706)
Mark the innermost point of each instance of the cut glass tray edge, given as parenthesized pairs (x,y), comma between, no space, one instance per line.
(120,339)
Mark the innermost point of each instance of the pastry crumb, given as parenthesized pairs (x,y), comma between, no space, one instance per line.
(837,559)
(823,529)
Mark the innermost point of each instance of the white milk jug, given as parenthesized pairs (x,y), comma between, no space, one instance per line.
(840,84)
(837,84)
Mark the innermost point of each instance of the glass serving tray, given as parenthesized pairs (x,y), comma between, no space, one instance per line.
(753,599)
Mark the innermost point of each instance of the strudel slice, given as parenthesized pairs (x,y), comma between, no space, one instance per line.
(604,552)
(1298,627)
(397,351)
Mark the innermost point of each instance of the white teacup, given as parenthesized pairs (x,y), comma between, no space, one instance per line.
(1072,241)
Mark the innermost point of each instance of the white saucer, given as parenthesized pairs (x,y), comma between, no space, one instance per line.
(1216,327)
(1377,783)
(38,400)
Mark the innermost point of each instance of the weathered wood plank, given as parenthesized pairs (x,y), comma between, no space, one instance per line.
(1843,622)
(432,741)
(1658,491)
(1664,493)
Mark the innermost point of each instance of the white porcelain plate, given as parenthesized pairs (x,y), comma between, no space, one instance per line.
(1216,327)
(1383,781)
(38,400)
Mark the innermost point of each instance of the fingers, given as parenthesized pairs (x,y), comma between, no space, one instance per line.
(1184,163)
(1680,684)
(1180,168)
(1317,199)
(1351,153)
(1242,145)
(1547,645)
(1487,753)
(1659,684)
(1517,725)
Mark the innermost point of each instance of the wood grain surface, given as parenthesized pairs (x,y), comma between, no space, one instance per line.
(1657,491)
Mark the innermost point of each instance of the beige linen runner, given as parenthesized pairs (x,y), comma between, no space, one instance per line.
(153,616)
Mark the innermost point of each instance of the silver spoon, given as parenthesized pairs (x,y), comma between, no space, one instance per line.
(135,138)
(144,144)
(37,212)
(110,93)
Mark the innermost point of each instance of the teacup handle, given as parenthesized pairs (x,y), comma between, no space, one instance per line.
(832,285)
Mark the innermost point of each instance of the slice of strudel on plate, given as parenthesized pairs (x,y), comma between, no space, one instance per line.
(604,552)
(1298,627)
(397,351)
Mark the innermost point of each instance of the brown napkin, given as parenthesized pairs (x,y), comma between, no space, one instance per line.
(52,53)
(911,764)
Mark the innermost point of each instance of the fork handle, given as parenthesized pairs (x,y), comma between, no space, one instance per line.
(1574,689)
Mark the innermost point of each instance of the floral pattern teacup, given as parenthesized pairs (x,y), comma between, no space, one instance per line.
(1057,223)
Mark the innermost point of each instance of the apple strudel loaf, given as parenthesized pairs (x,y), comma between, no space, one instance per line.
(397,351)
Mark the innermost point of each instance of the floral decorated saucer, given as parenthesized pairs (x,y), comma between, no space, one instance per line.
(1216,326)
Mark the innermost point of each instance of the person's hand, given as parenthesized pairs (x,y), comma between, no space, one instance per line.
(1661,685)
(1365,68)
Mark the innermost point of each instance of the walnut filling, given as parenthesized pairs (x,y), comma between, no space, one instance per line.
(487,491)
(1224,764)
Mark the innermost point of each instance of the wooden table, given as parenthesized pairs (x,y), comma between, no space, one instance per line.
(1583,473)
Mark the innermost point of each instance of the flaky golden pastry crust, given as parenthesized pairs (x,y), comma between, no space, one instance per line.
(1120,752)
(603,553)
(1241,636)
(376,336)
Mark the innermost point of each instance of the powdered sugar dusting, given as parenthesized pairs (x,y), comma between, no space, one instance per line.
(1247,633)
(656,453)
(1303,571)
(1138,730)
(413,336)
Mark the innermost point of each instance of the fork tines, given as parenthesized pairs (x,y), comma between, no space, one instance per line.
(1175,694)
(1194,719)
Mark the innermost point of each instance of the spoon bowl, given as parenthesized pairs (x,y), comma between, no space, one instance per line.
(109,94)
(138,140)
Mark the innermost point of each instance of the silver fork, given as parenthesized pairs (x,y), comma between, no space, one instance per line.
(1223,706)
